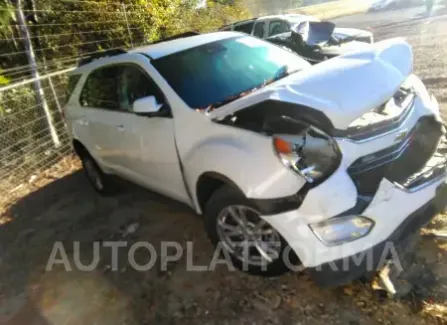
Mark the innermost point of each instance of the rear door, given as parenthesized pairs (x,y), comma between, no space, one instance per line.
(100,99)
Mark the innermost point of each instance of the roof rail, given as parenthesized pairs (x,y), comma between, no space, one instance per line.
(100,55)
(181,35)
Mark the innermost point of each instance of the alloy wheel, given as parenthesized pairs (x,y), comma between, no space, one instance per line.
(248,237)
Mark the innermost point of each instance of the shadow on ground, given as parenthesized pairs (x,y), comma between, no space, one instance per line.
(68,211)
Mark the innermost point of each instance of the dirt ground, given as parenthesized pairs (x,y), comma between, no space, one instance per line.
(60,206)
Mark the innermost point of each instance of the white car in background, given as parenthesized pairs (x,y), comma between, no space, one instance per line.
(268,26)
(288,163)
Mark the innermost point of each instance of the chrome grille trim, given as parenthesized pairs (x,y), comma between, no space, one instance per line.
(385,128)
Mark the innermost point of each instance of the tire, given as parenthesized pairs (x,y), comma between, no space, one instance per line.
(226,197)
(101,182)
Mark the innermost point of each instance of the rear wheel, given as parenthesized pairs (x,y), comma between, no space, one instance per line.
(235,225)
(100,181)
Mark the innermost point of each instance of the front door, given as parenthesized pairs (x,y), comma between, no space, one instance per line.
(156,163)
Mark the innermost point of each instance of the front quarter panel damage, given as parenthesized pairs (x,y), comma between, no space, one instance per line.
(245,158)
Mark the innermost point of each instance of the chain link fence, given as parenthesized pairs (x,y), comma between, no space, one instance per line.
(42,42)
(48,40)
(30,140)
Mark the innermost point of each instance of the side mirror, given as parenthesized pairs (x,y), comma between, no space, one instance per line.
(146,105)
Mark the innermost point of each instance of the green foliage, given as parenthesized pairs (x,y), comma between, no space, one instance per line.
(5,13)
(69,29)
(261,7)
(216,14)
(3,80)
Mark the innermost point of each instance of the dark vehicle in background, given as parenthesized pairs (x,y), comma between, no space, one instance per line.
(315,42)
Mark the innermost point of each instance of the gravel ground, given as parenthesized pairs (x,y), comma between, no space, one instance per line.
(63,208)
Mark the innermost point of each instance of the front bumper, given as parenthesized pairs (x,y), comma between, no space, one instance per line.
(396,210)
(350,268)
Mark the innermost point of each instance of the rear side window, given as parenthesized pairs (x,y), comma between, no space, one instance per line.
(72,82)
(244,28)
(71,85)
(102,88)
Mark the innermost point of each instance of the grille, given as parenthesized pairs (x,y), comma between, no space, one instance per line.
(417,158)
(385,118)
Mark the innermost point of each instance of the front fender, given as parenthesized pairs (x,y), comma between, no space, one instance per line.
(247,160)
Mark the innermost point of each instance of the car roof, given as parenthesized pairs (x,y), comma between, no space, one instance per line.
(158,50)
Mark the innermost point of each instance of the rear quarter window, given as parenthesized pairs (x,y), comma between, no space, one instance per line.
(71,85)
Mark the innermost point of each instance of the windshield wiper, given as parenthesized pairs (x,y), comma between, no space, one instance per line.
(282,74)
(234,97)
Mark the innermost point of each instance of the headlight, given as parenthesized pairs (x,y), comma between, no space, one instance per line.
(341,230)
(311,153)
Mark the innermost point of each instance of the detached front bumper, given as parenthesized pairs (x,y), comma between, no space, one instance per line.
(398,211)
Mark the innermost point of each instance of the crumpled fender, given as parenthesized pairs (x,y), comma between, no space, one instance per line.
(234,154)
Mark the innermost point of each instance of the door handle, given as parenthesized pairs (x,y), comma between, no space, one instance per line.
(120,127)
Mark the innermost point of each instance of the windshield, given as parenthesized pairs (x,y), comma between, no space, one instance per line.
(216,73)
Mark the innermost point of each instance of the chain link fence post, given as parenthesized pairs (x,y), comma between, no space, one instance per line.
(127,24)
(40,96)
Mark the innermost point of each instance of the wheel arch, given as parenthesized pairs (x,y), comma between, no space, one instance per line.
(79,148)
(207,184)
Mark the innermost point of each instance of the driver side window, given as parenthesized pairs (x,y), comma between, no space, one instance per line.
(136,84)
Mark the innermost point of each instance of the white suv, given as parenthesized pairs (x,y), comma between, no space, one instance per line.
(332,160)
(268,26)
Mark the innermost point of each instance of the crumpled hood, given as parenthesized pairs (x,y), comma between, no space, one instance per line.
(343,88)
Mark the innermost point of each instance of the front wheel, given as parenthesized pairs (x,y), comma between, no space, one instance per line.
(235,225)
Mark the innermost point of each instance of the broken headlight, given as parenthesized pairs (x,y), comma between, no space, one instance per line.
(311,153)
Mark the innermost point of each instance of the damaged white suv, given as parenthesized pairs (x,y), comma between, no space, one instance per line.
(289,163)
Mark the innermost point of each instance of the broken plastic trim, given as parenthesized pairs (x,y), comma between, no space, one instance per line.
(388,123)
(269,207)
(311,153)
